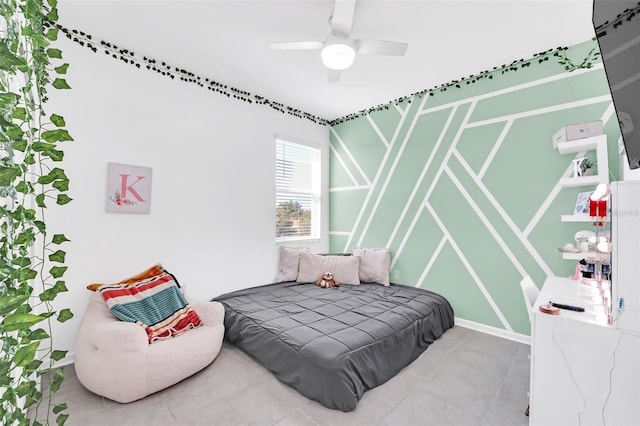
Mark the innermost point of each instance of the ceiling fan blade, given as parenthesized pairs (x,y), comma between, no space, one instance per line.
(342,19)
(296,45)
(380,47)
(334,75)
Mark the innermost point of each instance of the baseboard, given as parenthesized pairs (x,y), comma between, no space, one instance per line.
(494,331)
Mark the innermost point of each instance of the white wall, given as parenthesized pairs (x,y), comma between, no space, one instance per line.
(213,194)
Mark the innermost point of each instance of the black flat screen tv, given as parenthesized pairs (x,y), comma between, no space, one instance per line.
(617,27)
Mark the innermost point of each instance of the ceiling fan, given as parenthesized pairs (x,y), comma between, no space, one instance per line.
(338,50)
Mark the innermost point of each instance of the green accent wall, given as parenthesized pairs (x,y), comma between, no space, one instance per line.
(463,188)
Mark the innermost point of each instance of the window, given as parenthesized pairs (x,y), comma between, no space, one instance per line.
(297,191)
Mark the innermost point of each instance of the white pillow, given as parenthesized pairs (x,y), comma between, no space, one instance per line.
(374,265)
(343,268)
(289,261)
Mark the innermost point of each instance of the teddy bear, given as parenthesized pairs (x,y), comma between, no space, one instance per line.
(327,281)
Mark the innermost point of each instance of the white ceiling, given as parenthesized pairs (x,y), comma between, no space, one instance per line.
(227,41)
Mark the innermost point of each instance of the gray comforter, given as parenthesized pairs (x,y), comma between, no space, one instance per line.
(334,344)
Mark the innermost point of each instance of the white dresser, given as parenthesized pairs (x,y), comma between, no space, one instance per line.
(584,371)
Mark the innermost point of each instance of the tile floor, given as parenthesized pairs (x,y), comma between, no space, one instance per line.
(465,378)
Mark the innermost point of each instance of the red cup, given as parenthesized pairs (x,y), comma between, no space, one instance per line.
(602,208)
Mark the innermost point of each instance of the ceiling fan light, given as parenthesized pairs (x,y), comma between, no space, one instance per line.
(338,56)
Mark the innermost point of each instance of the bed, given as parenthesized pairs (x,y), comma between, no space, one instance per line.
(333,344)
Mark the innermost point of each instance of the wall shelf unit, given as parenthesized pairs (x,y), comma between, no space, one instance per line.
(581,147)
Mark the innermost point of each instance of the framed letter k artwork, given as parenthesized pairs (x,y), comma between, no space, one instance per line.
(128,188)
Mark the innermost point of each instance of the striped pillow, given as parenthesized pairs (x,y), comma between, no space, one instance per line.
(155,303)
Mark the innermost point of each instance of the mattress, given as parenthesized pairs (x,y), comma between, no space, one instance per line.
(332,345)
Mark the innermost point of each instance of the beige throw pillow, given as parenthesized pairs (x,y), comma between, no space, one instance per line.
(289,261)
(374,265)
(343,268)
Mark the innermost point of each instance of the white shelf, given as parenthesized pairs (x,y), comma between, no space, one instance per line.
(585,255)
(580,218)
(582,181)
(580,145)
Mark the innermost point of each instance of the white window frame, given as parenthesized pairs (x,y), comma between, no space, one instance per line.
(314,189)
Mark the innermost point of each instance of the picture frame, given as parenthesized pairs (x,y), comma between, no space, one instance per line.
(128,188)
(582,203)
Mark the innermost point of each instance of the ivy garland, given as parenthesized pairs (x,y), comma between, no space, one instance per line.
(626,16)
(129,57)
(559,52)
(32,261)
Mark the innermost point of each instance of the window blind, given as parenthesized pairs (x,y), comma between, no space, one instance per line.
(297,190)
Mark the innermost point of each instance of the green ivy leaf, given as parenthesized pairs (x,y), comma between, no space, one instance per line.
(20,321)
(59,135)
(62,69)
(61,185)
(57,271)
(42,146)
(25,238)
(55,174)
(25,355)
(42,227)
(51,293)
(8,60)
(47,314)
(58,120)
(63,199)
(53,15)
(57,256)
(22,261)
(58,377)
(61,419)
(54,154)
(58,355)
(65,315)
(59,407)
(46,179)
(29,159)
(36,363)
(28,274)
(54,53)
(5,380)
(24,388)
(8,175)
(52,34)
(40,201)
(20,145)
(38,334)
(10,303)
(59,239)
(19,113)
(23,187)
(14,132)
(60,83)
(9,396)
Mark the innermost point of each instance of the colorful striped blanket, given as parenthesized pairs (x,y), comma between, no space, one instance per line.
(155,303)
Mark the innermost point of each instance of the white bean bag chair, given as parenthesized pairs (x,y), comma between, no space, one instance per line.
(114,359)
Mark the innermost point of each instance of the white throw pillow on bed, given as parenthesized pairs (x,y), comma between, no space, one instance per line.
(343,268)
(374,265)
(289,262)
